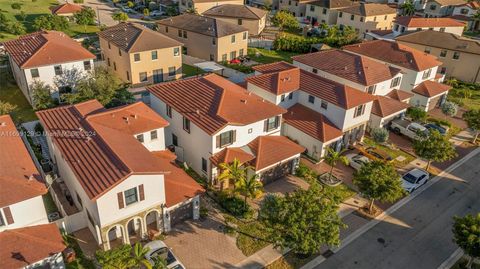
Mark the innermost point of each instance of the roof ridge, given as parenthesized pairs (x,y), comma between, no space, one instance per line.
(28,236)
(40,33)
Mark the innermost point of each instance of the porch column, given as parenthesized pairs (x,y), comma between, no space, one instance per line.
(196,207)
(126,236)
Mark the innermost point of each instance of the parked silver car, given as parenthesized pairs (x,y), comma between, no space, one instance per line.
(414,179)
(158,248)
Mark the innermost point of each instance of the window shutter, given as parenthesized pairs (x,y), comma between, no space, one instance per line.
(265,125)
(234,136)
(218,141)
(277,119)
(120,200)
(8,215)
(142,192)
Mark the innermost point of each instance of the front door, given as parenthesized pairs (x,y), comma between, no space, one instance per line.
(158,76)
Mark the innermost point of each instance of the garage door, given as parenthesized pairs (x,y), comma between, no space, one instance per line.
(435,102)
(181,213)
(276,172)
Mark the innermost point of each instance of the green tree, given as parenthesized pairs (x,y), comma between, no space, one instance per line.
(303,221)
(15,28)
(408,8)
(120,16)
(434,147)
(16,6)
(191,10)
(449,109)
(285,20)
(138,257)
(130,4)
(171,10)
(85,17)
(22,15)
(41,95)
(116,258)
(50,22)
(377,180)
(472,117)
(231,172)
(417,114)
(146,12)
(332,158)
(6,108)
(466,233)
(249,187)
(379,135)
(121,97)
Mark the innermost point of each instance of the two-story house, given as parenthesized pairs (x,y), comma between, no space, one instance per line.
(201,6)
(466,13)
(419,70)
(212,121)
(441,8)
(117,170)
(139,55)
(460,56)
(367,17)
(297,7)
(405,24)
(326,11)
(43,56)
(321,113)
(361,73)
(252,18)
(23,219)
(206,38)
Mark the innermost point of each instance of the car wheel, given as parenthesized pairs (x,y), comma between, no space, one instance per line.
(413,190)
(396,131)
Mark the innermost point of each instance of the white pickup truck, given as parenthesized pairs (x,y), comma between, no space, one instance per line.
(407,128)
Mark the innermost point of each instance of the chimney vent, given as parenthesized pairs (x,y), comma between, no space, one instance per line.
(3,124)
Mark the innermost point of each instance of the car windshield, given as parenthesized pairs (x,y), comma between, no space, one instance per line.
(165,254)
(178,266)
(410,178)
(358,159)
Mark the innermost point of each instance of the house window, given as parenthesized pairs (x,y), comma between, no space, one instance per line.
(456,55)
(58,70)
(143,76)
(174,140)
(154,55)
(244,35)
(315,70)
(140,138)
(396,27)
(136,57)
(312,8)
(153,135)
(109,47)
(340,14)
(433,7)
(108,61)
(443,53)
(352,17)
(87,65)
(282,98)
(128,76)
(166,29)
(426,73)
(239,21)
(176,52)
(233,55)
(311,99)
(290,96)
(385,18)
(212,58)
(114,66)
(427,50)
(34,73)
(131,196)
(359,110)
(240,52)
(324,11)
(179,33)
(361,19)
(403,29)
(443,70)
(214,41)
(225,139)
(185,34)
(119,52)
(186,125)
(464,11)
(2,222)
(232,39)
(374,18)
(169,111)
(395,82)
(171,71)
(271,123)
(184,50)
(204,165)
(323,104)
(371,89)
(442,29)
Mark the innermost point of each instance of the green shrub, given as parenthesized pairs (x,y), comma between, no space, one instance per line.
(379,135)
(440,122)
(239,67)
(234,205)
(417,114)
(305,172)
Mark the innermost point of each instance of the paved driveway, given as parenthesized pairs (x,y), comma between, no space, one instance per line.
(104,11)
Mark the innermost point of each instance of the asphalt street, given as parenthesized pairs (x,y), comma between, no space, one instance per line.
(417,235)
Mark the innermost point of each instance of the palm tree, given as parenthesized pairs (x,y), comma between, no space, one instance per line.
(332,158)
(408,8)
(249,187)
(231,172)
(138,259)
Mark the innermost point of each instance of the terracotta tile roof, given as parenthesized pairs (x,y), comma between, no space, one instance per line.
(273,67)
(202,25)
(272,149)
(386,106)
(45,48)
(449,2)
(278,83)
(311,123)
(100,154)
(395,53)
(227,155)
(353,67)
(236,11)
(19,178)
(400,95)
(334,4)
(442,40)
(431,88)
(132,37)
(25,246)
(212,102)
(420,22)
(369,9)
(67,8)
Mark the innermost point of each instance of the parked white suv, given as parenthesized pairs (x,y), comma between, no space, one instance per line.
(158,248)
(414,179)
(356,161)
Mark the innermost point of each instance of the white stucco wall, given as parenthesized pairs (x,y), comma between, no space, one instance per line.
(155,144)
(54,261)
(273,98)
(401,29)
(26,213)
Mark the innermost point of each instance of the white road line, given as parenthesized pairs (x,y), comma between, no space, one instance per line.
(448,263)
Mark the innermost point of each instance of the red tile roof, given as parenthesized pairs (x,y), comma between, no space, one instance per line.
(386,106)
(325,89)
(102,154)
(19,178)
(212,102)
(67,8)
(311,123)
(271,149)
(400,95)
(421,22)
(278,83)
(45,48)
(227,155)
(395,53)
(431,88)
(352,67)
(25,246)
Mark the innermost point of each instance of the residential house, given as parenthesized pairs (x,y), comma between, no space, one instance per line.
(252,18)
(419,70)
(44,56)
(405,24)
(297,7)
(206,38)
(201,6)
(326,11)
(366,17)
(213,121)
(441,8)
(116,168)
(139,55)
(460,56)
(466,13)
(419,4)
(66,10)
(322,113)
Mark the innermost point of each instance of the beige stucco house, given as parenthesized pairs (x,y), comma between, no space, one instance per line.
(441,8)
(460,56)
(139,55)
(201,6)
(297,7)
(367,17)
(206,38)
(251,18)
(326,11)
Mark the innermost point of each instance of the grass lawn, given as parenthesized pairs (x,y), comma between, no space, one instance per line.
(190,71)
(248,232)
(342,190)
(270,56)
(289,261)
(9,92)
(394,153)
(76,29)
(50,205)
(471,102)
